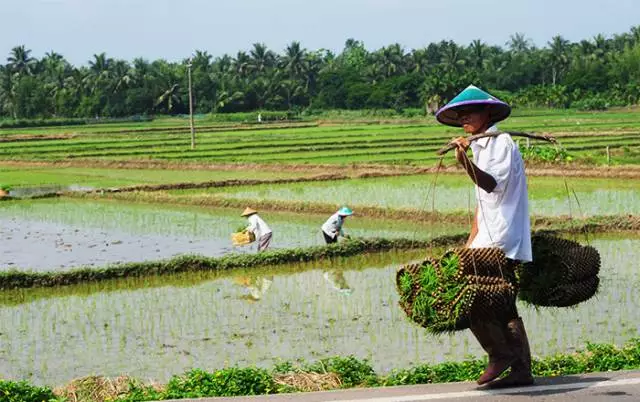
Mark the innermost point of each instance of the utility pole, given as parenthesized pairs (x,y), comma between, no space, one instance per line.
(193,130)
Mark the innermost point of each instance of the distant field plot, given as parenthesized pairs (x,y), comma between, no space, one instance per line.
(583,135)
(22,176)
(548,195)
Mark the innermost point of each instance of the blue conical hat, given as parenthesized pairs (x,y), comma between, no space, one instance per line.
(472,95)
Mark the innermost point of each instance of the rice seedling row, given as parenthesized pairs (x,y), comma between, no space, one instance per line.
(342,307)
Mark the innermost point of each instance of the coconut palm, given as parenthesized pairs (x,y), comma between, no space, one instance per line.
(121,75)
(391,60)
(293,60)
(261,58)
(201,60)
(477,53)
(452,57)
(519,43)
(558,57)
(242,65)
(7,92)
(170,99)
(20,61)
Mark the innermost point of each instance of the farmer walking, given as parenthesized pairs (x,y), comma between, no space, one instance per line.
(259,228)
(332,228)
(501,220)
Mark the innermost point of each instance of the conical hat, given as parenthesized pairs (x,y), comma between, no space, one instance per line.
(249,211)
(472,95)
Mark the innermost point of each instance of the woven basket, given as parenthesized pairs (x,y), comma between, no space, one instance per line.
(441,296)
(563,273)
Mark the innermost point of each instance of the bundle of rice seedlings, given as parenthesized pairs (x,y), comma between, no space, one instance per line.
(563,273)
(440,296)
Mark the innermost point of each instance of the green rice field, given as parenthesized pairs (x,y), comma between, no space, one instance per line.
(583,135)
(28,176)
(152,327)
(156,327)
(548,195)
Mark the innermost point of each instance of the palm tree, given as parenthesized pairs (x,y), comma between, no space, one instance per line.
(559,57)
(141,73)
(294,59)
(478,52)
(7,92)
(170,98)
(99,73)
(519,43)
(122,76)
(419,61)
(601,47)
(201,60)
(19,60)
(261,58)
(391,60)
(634,33)
(242,65)
(452,57)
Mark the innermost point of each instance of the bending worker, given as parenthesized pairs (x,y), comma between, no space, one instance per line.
(259,228)
(501,220)
(332,228)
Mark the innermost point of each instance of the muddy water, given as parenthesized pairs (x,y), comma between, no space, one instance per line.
(157,327)
(59,234)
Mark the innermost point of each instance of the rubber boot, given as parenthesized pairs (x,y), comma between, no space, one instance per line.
(491,336)
(520,374)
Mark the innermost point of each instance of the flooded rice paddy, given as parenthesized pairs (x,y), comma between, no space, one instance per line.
(153,328)
(548,196)
(59,234)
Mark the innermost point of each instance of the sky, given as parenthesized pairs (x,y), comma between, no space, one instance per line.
(173,29)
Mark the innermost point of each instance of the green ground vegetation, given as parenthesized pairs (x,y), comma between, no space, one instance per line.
(349,372)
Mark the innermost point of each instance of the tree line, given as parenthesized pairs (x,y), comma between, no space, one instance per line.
(591,74)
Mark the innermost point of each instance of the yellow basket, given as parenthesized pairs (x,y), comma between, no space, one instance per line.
(242,238)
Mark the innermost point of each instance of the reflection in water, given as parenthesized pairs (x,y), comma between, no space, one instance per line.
(256,286)
(337,281)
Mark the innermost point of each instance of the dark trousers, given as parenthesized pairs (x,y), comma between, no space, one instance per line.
(328,239)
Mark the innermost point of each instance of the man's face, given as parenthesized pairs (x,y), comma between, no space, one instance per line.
(473,122)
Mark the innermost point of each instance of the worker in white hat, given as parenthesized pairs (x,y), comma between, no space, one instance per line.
(259,228)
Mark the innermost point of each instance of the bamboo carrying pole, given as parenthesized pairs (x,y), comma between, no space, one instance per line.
(543,137)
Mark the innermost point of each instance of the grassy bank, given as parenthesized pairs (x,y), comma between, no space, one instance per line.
(16,279)
(326,374)
(190,263)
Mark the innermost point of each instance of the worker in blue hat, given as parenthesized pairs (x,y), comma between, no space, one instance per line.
(501,220)
(332,228)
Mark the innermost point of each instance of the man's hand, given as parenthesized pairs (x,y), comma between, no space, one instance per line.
(462,145)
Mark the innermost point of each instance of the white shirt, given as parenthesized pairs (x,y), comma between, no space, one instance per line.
(258,226)
(333,226)
(503,215)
